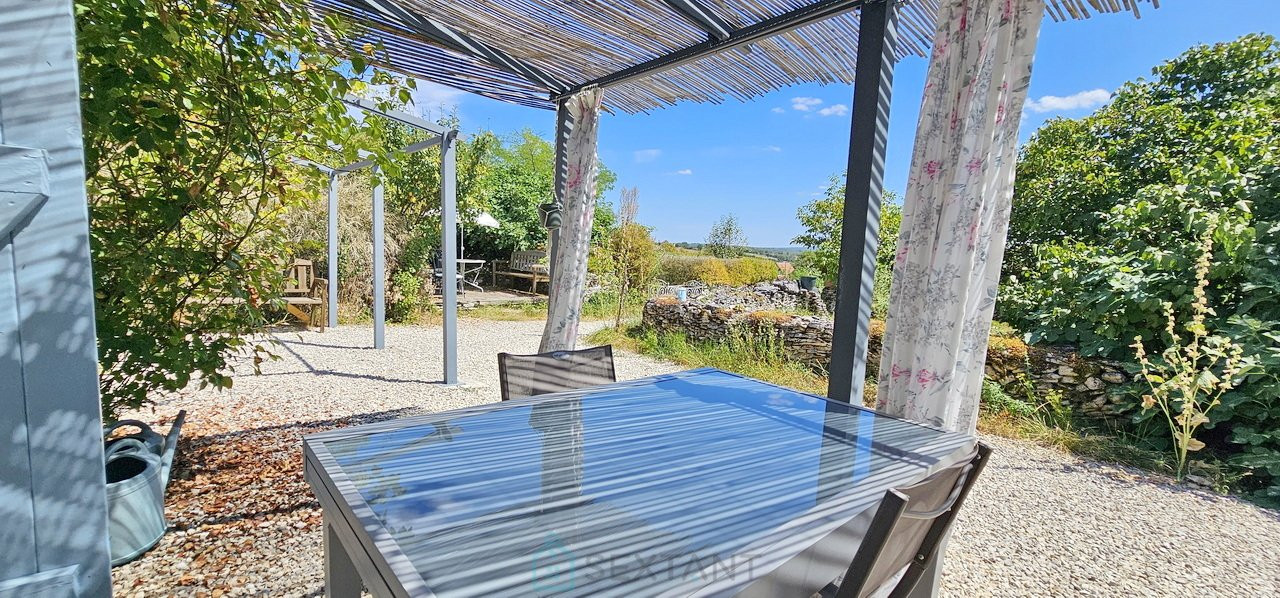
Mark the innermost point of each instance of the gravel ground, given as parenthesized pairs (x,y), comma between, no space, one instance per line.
(1039,523)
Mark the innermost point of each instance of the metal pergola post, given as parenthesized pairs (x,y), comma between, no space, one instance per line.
(449,259)
(564,124)
(864,186)
(332,299)
(379,268)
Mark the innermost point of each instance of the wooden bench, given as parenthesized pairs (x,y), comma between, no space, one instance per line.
(304,294)
(528,264)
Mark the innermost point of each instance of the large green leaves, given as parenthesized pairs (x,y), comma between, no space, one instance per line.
(192,111)
(1107,210)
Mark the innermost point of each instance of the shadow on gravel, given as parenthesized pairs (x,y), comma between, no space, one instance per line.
(327,372)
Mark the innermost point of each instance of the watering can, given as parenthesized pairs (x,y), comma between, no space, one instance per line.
(154,442)
(135,499)
(138,467)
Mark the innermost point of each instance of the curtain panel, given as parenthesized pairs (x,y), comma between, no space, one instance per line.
(569,272)
(956,211)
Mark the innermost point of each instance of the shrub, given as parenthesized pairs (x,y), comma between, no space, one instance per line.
(1109,213)
(750,270)
(679,269)
(191,112)
(712,271)
(994,399)
(406,297)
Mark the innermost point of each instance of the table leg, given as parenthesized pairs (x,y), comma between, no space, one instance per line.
(341,580)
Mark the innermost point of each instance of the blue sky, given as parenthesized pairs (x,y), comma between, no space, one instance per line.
(763,159)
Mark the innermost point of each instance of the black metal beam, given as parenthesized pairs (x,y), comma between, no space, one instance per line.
(783,23)
(463,44)
(864,185)
(701,16)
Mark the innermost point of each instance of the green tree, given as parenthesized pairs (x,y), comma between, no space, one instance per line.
(822,219)
(726,238)
(523,177)
(1111,213)
(192,111)
(630,257)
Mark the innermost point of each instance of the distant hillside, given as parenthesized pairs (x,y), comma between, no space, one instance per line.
(784,254)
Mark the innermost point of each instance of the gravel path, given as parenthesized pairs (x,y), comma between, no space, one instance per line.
(1039,523)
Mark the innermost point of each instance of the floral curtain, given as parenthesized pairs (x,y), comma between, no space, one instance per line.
(569,272)
(956,213)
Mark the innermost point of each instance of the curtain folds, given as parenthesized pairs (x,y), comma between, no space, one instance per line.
(569,272)
(956,211)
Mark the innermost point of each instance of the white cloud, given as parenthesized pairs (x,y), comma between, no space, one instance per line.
(769,148)
(684,171)
(804,104)
(834,110)
(778,110)
(433,96)
(646,155)
(1077,101)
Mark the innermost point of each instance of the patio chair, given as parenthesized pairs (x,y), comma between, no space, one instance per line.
(530,375)
(906,531)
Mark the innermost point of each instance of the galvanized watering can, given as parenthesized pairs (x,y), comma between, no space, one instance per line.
(138,467)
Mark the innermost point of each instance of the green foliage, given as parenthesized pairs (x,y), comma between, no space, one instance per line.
(822,219)
(632,256)
(522,178)
(726,238)
(1109,212)
(628,259)
(192,110)
(406,298)
(757,356)
(679,269)
(994,399)
(750,270)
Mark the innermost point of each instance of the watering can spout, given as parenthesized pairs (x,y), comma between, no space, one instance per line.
(171,447)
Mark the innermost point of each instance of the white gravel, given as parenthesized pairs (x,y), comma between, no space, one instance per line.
(1039,523)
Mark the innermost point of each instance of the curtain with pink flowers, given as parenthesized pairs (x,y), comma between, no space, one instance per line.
(956,212)
(569,272)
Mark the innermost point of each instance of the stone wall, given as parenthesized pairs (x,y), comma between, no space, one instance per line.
(1087,384)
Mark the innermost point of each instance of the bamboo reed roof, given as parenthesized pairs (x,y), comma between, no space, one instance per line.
(529,52)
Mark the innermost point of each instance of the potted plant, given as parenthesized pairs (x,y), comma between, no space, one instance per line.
(807,278)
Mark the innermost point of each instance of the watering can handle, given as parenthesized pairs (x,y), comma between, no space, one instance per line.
(127,422)
(117,448)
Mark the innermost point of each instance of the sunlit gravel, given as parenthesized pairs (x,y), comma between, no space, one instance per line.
(1039,523)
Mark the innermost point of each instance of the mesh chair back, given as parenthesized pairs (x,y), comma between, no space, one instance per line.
(907,528)
(530,375)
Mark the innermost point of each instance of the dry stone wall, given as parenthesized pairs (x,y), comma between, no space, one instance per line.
(1090,385)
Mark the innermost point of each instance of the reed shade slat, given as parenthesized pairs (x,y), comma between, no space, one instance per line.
(577,42)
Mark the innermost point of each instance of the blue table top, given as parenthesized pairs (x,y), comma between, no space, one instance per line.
(695,482)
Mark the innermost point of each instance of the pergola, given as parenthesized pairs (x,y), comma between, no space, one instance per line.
(642,55)
(445,138)
(574,57)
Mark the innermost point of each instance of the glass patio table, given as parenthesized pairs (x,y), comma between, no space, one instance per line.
(701,483)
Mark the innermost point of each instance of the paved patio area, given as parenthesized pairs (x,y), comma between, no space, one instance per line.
(1040,523)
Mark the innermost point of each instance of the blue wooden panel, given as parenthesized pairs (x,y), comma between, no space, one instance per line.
(17,517)
(50,270)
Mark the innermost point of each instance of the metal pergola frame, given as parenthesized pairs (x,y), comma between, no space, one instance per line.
(868,135)
(873,86)
(445,138)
